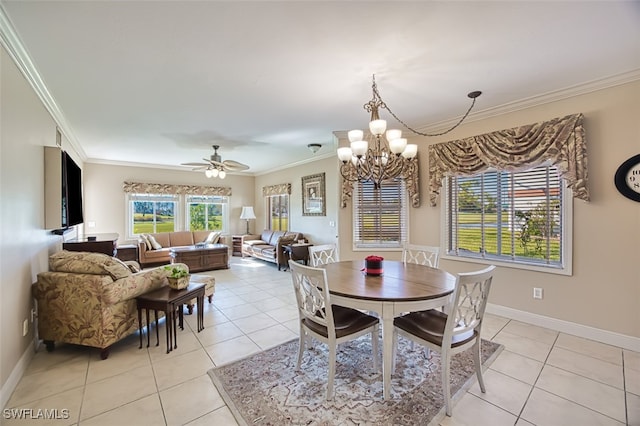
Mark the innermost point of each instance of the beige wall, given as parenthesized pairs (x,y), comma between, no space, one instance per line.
(25,128)
(318,229)
(105,200)
(604,291)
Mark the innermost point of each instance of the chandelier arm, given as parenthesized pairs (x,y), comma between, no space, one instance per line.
(466,114)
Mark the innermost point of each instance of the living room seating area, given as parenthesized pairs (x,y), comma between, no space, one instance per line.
(155,249)
(268,245)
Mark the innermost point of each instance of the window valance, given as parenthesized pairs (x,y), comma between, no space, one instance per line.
(560,142)
(411,176)
(161,188)
(281,189)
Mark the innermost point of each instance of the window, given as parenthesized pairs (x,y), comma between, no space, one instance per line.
(380,215)
(278,205)
(207,213)
(513,217)
(150,213)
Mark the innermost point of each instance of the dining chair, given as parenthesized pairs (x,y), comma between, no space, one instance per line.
(326,322)
(323,254)
(454,332)
(421,255)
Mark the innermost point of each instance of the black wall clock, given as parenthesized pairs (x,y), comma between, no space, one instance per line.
(627,178)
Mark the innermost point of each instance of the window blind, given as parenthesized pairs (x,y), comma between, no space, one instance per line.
(380,215)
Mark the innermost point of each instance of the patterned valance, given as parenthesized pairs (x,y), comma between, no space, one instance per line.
(162,188)
(410,175)
(560,141)
(281,189)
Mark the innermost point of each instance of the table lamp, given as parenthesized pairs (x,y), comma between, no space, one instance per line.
(247,214)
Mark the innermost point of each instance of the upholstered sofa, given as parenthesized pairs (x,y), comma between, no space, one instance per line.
(160,254)
(268,245)
(90,299)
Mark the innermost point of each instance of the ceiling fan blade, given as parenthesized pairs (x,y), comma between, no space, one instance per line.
(195,164)
(217,164)
(199,169)
(234,165)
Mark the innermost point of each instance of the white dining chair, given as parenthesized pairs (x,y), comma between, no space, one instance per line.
(323,254)
(453,333)
(328,323)
(421,255)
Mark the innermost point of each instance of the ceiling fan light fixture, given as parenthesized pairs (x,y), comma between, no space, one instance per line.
(314,147)
(208,173)
(222,174)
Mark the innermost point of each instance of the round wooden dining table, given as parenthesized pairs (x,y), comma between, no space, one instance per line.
(401,288)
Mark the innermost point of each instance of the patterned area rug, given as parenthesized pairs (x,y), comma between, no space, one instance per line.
(265,389)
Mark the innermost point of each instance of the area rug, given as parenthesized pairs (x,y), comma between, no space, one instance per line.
(265,389)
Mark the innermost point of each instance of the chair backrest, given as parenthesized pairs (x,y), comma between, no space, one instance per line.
(469,302)
(323,254)
(312,295)
(422,255)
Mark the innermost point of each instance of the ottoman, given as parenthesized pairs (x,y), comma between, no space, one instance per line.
(209,288)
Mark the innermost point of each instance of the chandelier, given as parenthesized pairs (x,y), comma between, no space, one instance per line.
(376,160)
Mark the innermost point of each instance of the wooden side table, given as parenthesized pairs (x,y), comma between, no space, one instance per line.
(168,300)
(236,241)
(296,252)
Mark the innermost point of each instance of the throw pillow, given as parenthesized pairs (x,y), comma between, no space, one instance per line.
(88,263)
(156,245)
(147,243)
(212,238)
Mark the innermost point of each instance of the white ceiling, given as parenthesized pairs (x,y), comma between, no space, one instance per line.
(159,82)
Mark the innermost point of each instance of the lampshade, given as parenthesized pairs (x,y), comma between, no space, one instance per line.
(247,213)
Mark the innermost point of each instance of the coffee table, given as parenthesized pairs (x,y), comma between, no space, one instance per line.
(169,300)
(201,257)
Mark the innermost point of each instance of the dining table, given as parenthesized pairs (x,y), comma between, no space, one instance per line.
(401,288)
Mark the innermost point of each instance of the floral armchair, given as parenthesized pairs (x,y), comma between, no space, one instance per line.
(90,299)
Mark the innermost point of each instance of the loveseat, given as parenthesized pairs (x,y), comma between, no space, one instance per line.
(155,254)
(268,245)
(90,299)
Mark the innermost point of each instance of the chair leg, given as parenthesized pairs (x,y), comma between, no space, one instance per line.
(478,364)
(445,366)
(374,347)
(302,342)
(332,370)
(394,354)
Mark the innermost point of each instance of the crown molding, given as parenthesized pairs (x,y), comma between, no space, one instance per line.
(538,100)
(12,43)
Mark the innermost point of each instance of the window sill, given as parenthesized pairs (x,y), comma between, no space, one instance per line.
(528,267)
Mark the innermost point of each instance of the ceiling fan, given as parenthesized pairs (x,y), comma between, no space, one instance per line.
(215,167)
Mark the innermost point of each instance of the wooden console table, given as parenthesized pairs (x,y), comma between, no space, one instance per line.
(97,243)
(169,300)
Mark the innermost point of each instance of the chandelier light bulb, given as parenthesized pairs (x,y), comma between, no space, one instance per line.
(410,151)
(344,154)
(214,172)
(355,135)
(398,145)
(377,127)
(222,174)
(393,134)
(359,148)
(208,173)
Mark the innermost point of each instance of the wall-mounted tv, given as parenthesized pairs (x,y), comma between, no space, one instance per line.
(71,192)
(63,191)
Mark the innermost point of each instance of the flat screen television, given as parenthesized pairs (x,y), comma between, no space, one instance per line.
(71,192)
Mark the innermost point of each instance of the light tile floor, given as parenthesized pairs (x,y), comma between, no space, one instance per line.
(541,378)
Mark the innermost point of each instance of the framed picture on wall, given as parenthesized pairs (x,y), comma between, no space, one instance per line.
(313,202)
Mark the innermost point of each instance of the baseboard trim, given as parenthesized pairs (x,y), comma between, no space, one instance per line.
(16,374)
(592,333)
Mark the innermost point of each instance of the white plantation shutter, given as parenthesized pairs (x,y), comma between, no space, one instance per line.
(380,215)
